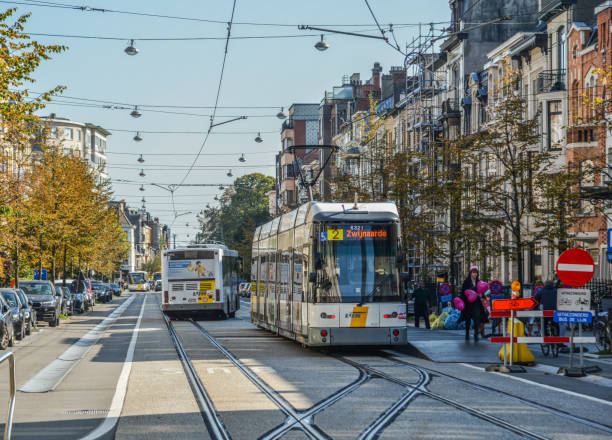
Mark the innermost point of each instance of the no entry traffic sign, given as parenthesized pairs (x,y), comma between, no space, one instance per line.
(575,267)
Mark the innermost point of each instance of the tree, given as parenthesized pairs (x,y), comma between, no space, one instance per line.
(244,206)
(19,58)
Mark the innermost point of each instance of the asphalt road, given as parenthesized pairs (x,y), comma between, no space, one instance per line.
(254,384)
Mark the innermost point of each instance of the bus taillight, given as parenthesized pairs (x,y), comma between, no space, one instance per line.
(217,295)
(165,296)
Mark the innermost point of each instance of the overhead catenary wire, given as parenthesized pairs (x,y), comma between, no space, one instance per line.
(83,8)
(212,118)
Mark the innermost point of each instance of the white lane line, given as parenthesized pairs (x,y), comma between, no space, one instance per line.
(592,378)
(52,375)
(117,403)
(541,385)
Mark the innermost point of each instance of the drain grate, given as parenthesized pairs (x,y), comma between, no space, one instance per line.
(86,412)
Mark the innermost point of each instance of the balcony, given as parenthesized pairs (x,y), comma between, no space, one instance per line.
(551,81)
(550,8)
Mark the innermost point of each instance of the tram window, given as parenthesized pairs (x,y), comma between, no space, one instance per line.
(297,276)
(359,263)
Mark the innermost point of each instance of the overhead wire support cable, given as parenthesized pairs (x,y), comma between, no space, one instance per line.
(212,118)
(382,32)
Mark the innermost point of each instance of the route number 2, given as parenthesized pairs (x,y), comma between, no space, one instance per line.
(335,234)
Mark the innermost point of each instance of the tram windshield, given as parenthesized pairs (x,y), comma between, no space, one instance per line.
(359,263)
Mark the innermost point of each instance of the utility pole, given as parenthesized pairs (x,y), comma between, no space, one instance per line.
(174,239)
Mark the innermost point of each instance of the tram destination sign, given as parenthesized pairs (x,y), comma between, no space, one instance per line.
(354,233)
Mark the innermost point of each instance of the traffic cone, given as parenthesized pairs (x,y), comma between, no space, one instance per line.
(521,354)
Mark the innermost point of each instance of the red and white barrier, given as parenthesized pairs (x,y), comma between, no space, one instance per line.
(543,340)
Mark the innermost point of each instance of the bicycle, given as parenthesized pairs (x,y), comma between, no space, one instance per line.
(549,330)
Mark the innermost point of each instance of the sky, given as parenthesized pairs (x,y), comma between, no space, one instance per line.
(270,72)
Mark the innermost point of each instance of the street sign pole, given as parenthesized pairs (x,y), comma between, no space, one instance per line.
(511,338)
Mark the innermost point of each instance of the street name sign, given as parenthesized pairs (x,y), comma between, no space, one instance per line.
(446,298)
(573,317)
(574,300)
(514,304)
(575,267)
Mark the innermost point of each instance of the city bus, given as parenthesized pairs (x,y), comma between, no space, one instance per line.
(137,281)
(329,274)
(200,279)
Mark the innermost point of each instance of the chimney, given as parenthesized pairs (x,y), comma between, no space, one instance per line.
(52,116)
(376,74)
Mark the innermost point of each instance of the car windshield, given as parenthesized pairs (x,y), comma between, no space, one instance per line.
(97,286)
(359,263)
(22,297)
(11,298)
(36,288)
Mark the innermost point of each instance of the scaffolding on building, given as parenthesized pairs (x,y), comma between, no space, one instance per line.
(425,94)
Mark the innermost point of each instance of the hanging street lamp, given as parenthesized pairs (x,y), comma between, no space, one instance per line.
(131,50)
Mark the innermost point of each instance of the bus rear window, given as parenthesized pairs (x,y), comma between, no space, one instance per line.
(191,255)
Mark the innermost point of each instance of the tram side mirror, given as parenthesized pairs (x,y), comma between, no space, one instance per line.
(312,277)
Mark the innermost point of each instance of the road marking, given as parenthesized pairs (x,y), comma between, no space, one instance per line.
(117,403)
(54,373)
(263,370)
(541,385)
(212,370)
(592,378)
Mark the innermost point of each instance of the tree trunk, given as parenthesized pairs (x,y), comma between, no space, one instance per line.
(16,266)
(40,263)
(53,250)
(64,267)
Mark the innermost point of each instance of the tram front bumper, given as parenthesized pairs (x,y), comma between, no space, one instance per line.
(357,336)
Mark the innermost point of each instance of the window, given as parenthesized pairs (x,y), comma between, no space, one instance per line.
(54,132)
(68,151)
(78,135)
(555,124)
(68,133)
(561,57)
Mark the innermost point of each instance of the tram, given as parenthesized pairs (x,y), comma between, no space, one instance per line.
(200,278)
(328,274)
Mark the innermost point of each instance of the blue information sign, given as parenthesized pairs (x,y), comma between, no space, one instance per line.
(573,317)
(502,296)
(37,274)
(446,298)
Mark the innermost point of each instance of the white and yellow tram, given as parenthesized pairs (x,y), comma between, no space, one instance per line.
(328,274)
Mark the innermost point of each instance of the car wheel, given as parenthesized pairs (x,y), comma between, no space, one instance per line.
(57,321)
(4,341)
(12,340)
(21,333)
(53,323)
(29,328)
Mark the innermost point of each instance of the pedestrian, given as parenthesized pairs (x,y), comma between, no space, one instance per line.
(473,311)
(421,305)
(536,285)
(547,297)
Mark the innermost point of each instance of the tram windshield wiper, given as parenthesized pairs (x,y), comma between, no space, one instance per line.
(369,296)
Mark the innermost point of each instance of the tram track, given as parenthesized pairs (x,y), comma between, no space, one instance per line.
(537,405)
(376,428)
(295,419)
(212,420)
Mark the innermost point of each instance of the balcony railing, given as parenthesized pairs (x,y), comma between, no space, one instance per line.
(551,81)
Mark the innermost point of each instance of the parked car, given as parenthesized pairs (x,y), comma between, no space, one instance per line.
(83,287)
(116,289)
(63,307)
(28,311)
(45,300)
(12,299)
(101,292)
(158,285)
(69,301)
(7,331)
(78,303)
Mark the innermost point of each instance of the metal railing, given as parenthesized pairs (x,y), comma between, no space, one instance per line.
(551,81)
(8,427)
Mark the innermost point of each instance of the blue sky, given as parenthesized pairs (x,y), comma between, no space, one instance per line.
(259,72)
